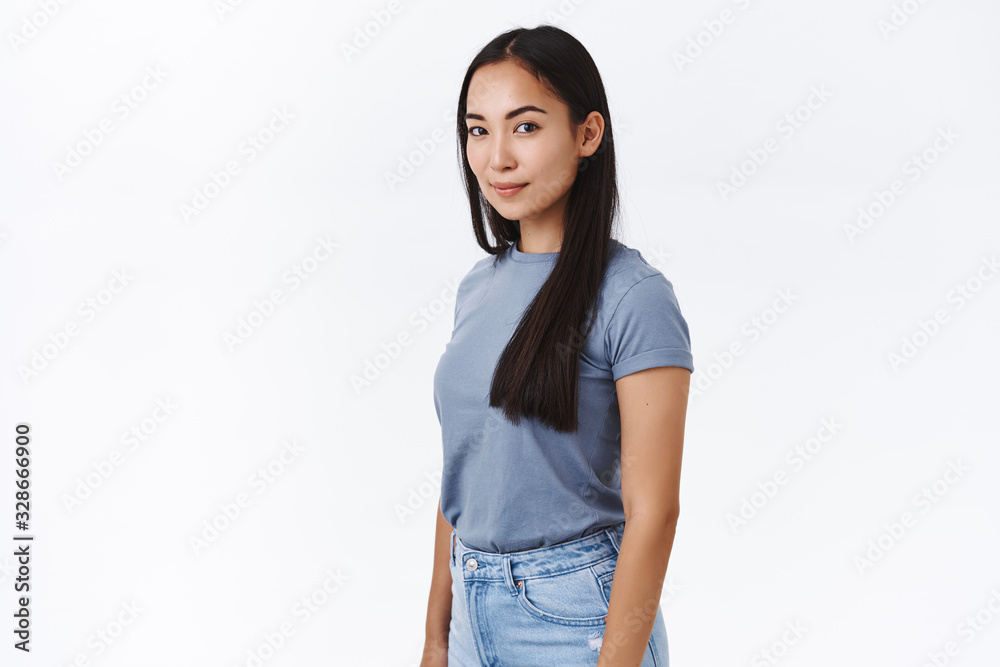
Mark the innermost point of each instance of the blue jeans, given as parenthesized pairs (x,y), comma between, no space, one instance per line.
(542,606)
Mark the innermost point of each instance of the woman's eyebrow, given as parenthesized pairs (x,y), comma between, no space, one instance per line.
(511,114)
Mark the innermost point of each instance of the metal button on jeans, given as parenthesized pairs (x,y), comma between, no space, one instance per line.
(471,564)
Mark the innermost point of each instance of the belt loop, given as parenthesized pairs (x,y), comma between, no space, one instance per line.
(508,575)
(613,533)
(452,546)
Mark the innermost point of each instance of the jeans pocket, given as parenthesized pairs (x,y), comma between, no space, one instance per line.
(605,581)
(567,598)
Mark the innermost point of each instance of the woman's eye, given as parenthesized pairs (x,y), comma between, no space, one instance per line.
(472,130)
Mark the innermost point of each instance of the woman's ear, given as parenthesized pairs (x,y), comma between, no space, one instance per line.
(590,133)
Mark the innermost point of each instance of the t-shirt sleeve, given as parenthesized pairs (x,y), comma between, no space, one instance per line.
(648,330)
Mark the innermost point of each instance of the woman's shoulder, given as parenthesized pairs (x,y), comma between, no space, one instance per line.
(481,269)
(644,323)
(626,267)
(476,278)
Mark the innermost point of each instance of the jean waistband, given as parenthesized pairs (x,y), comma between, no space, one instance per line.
(563,557)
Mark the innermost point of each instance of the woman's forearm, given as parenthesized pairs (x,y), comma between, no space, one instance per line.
(439,599)
(636,589)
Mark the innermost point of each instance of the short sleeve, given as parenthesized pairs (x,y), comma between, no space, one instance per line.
(648,330)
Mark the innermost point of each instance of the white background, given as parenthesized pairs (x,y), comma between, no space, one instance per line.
(358,496)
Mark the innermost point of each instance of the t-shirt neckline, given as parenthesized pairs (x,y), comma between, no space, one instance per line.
(531,257)
(535,257)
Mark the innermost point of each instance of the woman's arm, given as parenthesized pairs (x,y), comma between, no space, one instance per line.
(439,600)
(653,405)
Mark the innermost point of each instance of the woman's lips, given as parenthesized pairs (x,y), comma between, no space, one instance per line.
(508,189)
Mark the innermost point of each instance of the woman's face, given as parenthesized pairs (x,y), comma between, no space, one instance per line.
(537,145)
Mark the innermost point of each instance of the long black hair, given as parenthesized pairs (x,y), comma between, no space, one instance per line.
(538,372)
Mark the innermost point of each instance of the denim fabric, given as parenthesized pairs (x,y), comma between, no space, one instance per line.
(543,606)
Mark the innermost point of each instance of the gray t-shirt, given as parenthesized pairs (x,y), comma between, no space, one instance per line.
(509,488)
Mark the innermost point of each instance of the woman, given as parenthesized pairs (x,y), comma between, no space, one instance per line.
(563,390)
